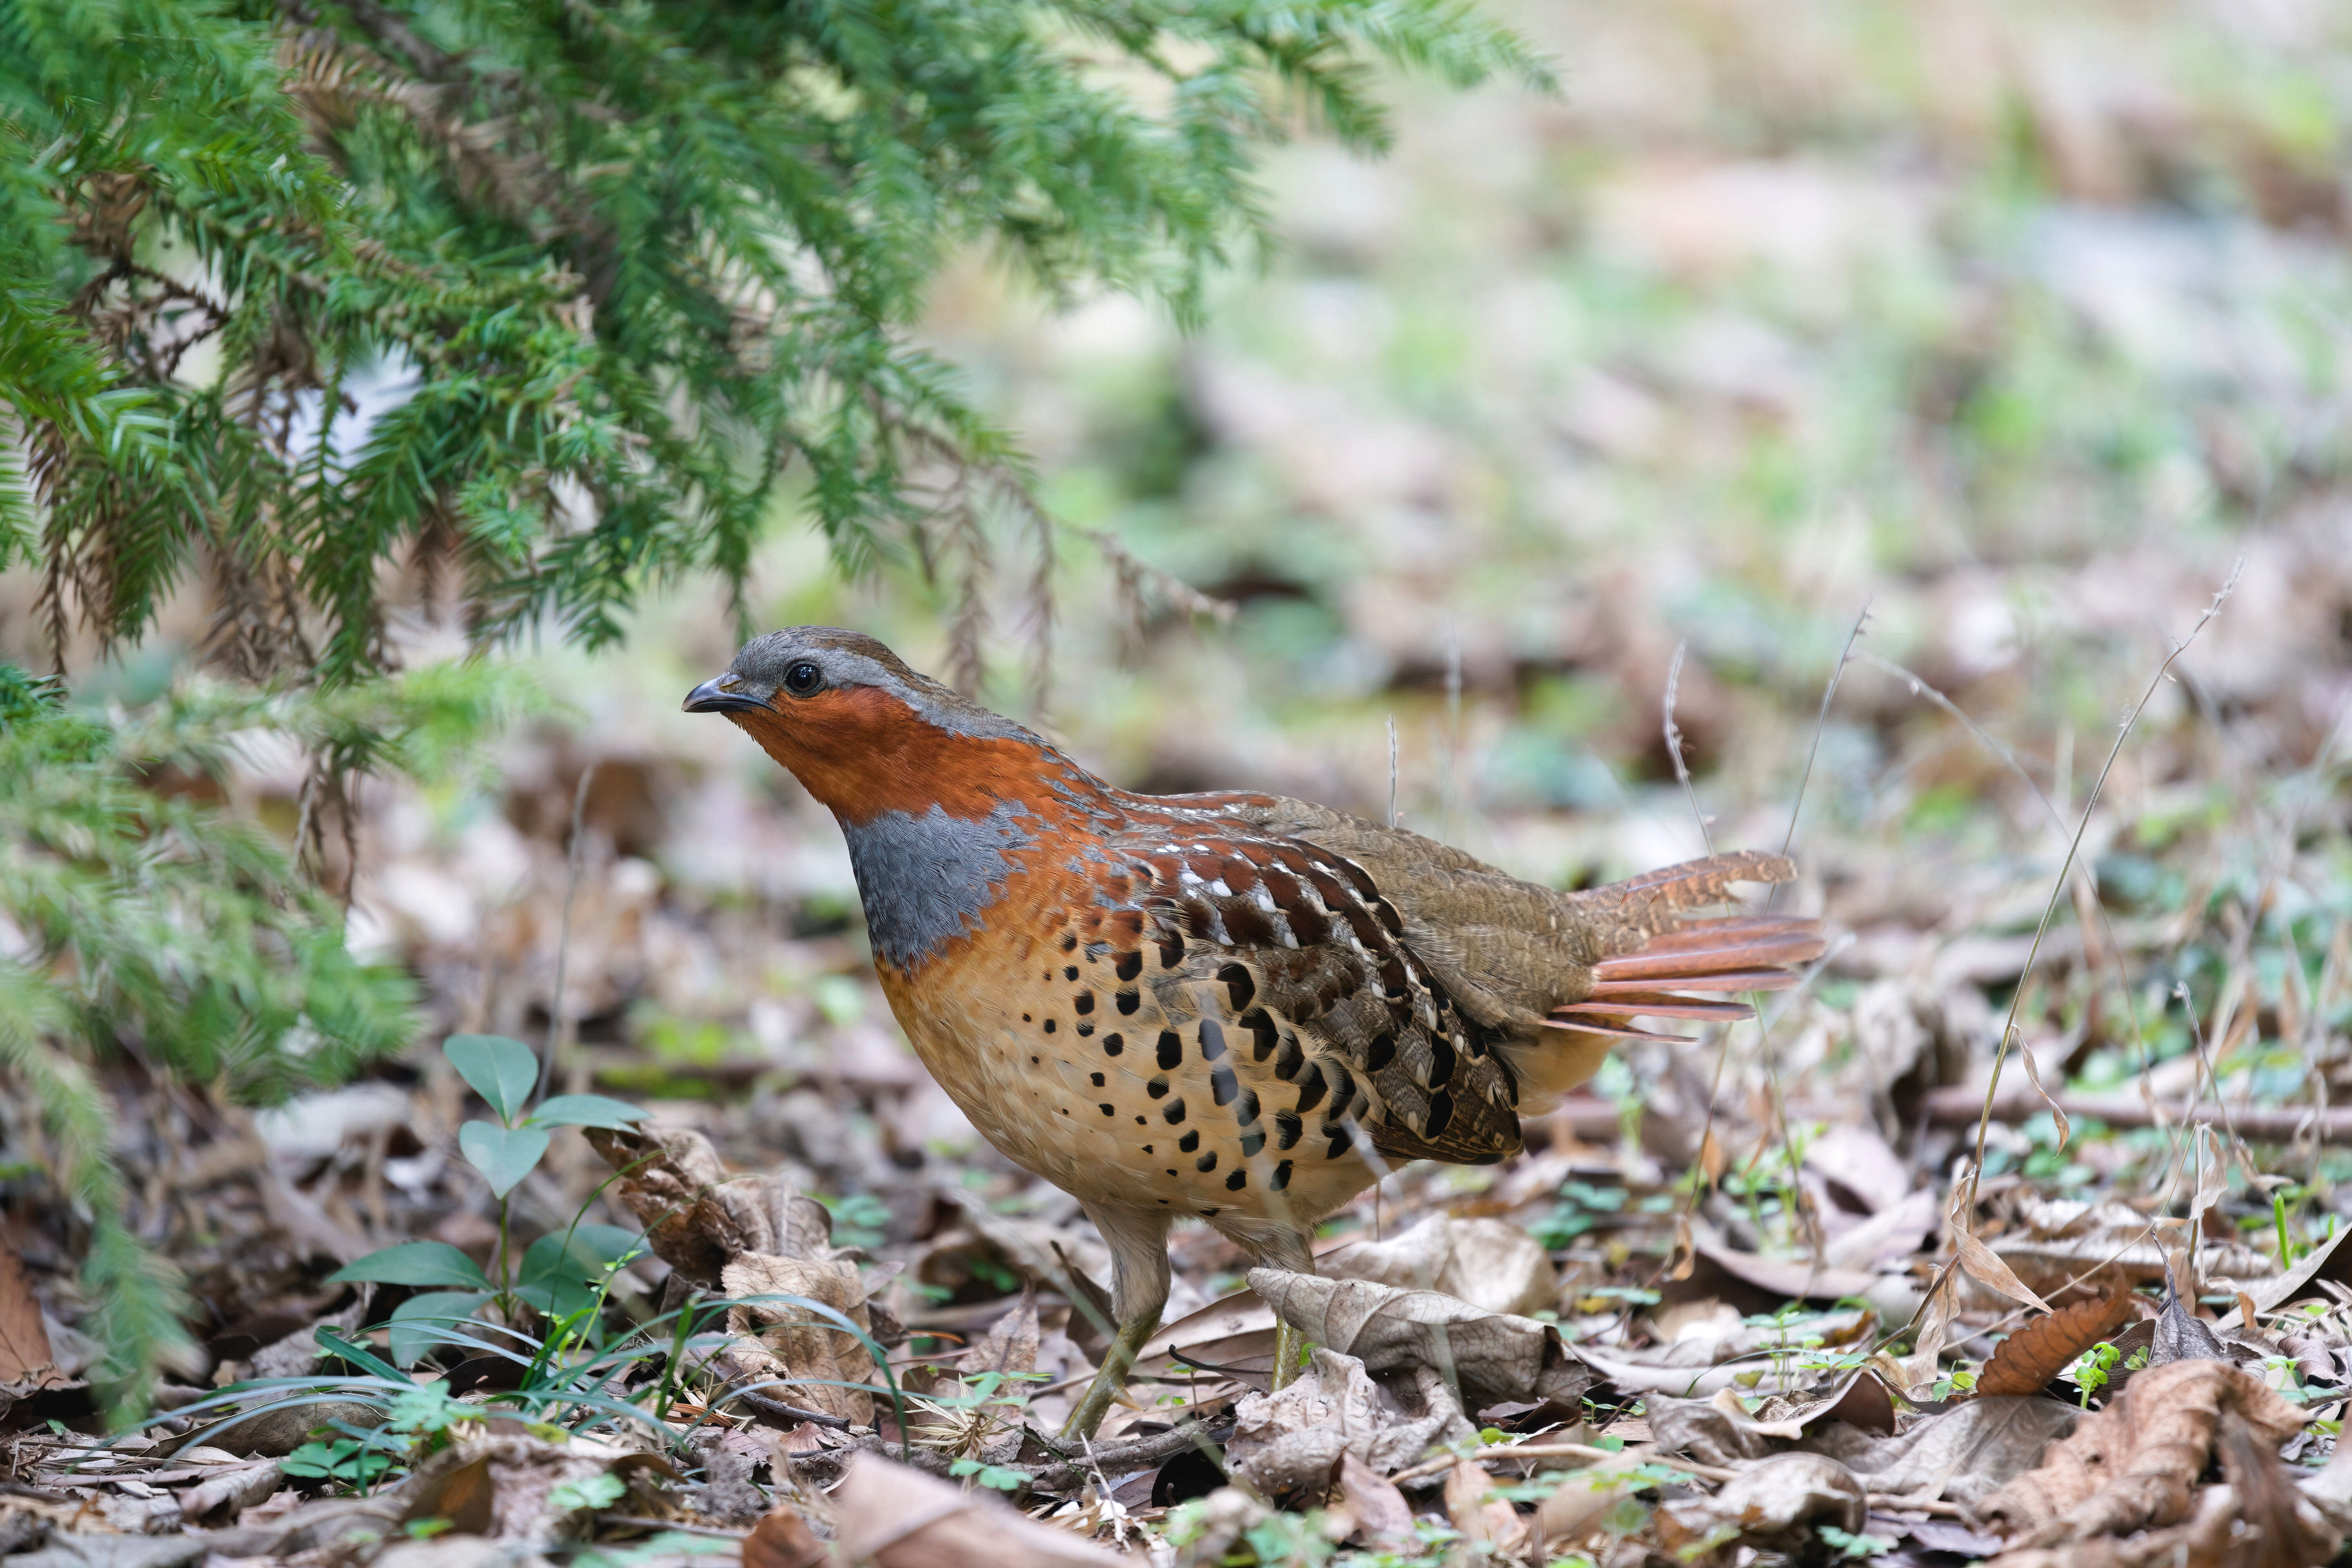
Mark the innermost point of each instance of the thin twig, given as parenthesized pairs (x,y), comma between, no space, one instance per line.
(557,1015)
(2073,848)
(1674,734)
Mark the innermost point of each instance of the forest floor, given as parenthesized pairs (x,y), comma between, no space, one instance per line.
(1938,424)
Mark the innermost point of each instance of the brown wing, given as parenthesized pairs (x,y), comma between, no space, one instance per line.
(1304,957)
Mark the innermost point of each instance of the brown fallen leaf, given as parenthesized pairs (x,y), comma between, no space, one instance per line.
(1770,1502)
(25,1362)
(1486,1521)
(2026,1361)
(233,1487)
(783,1540)
(699,1218)
(1010,1342)
(1489,1263)
(462,1498)
(892,1517)
(1961,1454)
(785,1340)
(1380,1510)
(1581,1504)
(1290,1439)
(2134,1464)
(1492,1357)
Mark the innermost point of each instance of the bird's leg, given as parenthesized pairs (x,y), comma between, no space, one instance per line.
(1139,1257)
(1287,1249)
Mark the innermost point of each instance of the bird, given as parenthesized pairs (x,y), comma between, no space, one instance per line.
(1230,1006)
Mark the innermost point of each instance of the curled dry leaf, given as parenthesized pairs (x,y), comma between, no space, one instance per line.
(2030,1358)
(783,1540)
(892,1517)
(1582,1503)
(1291,1439)
(1769,1502)
(1489,1263)
(796,1343)
(697,1217)
(1963,1453)
(2134,1464)
(1484,1520)
(1010,1342)
(511,1478)
(462,1500)
(1372,1501)
(1492,1357)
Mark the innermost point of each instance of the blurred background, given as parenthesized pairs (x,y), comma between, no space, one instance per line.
(1985,342)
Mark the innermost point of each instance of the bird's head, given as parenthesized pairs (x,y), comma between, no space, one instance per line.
(865,734)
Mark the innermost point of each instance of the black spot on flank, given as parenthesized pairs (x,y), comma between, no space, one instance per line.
(1127,1000)
(1382,1052)
(1190,1141)
(1108,1109)
(1099,1079)
(1171,1171)
(1205,1214)
(1441,1063)
(1213,1041)
(1114,1044)
(1222,1085)
(1069,972)
(1129,965)
(1066,1109)
(1173,1112)
(1206,1163)
(1264,1034)
(1287,1063)
(1311,1088)
(1281,1176)
(1049,1026)
(1248,1112)
(1172,951)
(1085,1029)
(1251,1141)
(1238,984)
(1032,1061)
(1287,1128)
(1157,1089)
(1070,944)
(1340,1144)
(1172,1052)
(1441,1112)
(1141,1122)
(1147,1148)
(1027,1019)
(1237,1181)
(1082,1002)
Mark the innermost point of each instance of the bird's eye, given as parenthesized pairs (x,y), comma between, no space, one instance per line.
(803,678)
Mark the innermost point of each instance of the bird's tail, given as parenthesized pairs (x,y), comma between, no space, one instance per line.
(1658,955)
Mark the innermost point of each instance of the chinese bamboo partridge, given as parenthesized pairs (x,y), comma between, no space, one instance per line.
(1215,1005)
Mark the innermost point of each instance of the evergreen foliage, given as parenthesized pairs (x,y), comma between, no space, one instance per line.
(139,919)
(639,271)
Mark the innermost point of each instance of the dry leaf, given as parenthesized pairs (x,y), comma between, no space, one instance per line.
(1484,1521)
(1985,1267)
(1010,1342)
(892,1517)
(2030,1358)
(238,1487)
(1489,1263)
(464,1497)
(1963,1453)
(25,1362)
(1491,1357)
(1858,1160)
(1290,1439)
(1578,1505)
(697,1217)
(2134,1464)
(783,1540)
(1380,1512)
(1772,1501)
(797,1343)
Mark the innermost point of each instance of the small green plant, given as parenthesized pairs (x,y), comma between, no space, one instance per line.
(993,1476)
(2092,1370)
(345,1461)
(557,1275)
(1850,1544)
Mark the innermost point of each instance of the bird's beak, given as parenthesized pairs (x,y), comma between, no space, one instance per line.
(712,697)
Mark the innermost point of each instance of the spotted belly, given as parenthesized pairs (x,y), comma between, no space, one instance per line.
(1119,1086)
